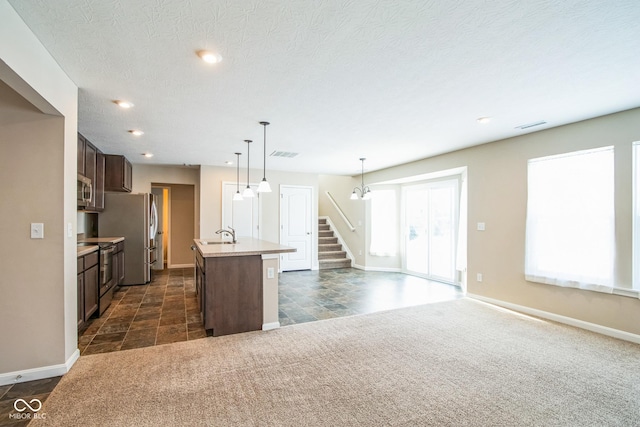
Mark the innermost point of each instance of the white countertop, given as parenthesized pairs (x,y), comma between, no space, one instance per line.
(86,250)
(101,240)
(245,246)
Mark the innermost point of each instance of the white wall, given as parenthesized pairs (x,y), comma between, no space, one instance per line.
(211,179)
(38,284)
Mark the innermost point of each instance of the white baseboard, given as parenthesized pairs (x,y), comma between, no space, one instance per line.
(39,373)
(593,327)
(181,266)
(383,269)
(270,326)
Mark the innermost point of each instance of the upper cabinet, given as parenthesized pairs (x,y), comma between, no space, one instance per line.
(117,173)
(81,148)
(91,163)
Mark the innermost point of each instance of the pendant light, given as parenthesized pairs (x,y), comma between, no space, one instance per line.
(365,192)
(237,196)
(248,192)
(264,186)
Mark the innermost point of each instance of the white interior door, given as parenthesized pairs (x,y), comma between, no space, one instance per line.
(296,218)
(242,215)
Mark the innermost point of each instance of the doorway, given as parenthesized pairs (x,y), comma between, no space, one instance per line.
(296,217)
(177,210)
(431,229)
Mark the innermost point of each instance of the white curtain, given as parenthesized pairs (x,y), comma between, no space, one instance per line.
(461,247)
(384,233)
(636,216)
(570,234)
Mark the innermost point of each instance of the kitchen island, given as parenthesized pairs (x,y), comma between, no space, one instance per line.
(237,284)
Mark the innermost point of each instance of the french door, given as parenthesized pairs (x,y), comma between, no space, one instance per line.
(431,224)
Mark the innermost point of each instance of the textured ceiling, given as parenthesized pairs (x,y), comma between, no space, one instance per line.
(389,80)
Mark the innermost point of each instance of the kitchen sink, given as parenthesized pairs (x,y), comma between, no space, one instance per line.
(215,242)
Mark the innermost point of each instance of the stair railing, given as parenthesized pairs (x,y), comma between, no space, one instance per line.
(344,217)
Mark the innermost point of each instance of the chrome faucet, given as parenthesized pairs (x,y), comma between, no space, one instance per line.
(231,232)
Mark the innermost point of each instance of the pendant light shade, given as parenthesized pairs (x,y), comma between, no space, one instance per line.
(237,196)
(264,186)
(362,192)
(248,192)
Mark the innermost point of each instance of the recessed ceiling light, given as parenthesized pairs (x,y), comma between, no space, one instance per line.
(136,132)
(209,57)
(124,104)
(147,154)
(483,120)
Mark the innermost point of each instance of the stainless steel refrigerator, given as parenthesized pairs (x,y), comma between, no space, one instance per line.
(134,217)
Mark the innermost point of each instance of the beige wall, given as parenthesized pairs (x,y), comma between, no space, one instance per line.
(38,154)
(497,185)
(182,228)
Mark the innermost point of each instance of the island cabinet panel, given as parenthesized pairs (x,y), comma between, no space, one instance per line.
(232,294)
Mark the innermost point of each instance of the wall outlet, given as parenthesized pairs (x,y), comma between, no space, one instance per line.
(270,273)
(481,226)
(37,230)
(479,277)
(69,230)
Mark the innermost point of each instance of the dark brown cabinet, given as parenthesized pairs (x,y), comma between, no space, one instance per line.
(91,164)
(98,187)
(88,276)
(117,272)
(118,173)
(230,293)
(81,151)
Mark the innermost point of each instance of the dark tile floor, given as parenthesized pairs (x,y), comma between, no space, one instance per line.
(166,311)
(22,394)
(307,296)
(162,312)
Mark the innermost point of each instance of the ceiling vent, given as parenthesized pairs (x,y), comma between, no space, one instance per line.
(530,125)
(286,154)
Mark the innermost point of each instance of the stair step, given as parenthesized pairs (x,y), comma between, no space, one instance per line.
(329,247)
(332,255)
(327,264)
(325,233)
(322,220)
(327,240)
(323,227)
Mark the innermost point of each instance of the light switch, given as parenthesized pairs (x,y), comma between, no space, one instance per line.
(270,273)
(69,230)
(37,230)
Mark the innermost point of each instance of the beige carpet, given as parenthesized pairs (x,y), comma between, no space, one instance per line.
(457,363)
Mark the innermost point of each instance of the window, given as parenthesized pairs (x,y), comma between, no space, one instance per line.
(383,223)
(570,234)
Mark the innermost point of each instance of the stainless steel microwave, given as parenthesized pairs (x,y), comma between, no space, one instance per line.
(85,191)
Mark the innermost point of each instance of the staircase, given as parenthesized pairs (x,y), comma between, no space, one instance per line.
(330,253)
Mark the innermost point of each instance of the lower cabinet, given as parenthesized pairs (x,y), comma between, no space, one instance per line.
(88,277)
(230,293)
(119,255)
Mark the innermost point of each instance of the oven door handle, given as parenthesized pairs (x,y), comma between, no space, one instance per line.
(109,250)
